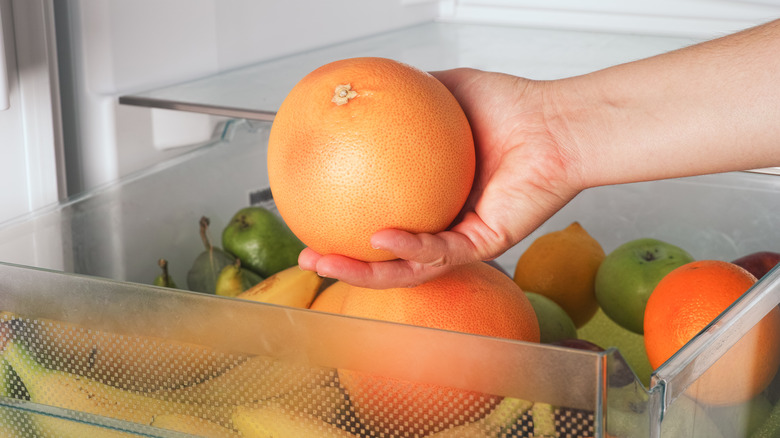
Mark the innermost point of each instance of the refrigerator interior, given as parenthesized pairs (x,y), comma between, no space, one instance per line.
(163,148)
(68,62)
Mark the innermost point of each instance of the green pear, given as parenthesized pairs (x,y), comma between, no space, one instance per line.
(164,279)
(233,280)
(261,240)
(554,323)
(202,276)
(628,275)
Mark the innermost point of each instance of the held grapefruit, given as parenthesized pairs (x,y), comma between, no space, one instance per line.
(364,144)
(684,302)
(476,299)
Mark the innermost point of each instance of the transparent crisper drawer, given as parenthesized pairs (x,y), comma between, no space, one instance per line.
(116,356)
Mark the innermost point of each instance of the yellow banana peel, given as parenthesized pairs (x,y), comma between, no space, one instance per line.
(272,420)
(193,425)
(78,393)
(291,287)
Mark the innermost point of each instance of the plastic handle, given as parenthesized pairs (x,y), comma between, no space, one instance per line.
(4,100)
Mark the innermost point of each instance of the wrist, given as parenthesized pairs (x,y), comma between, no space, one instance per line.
(570,121)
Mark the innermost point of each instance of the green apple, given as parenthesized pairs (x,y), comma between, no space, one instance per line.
(770,428)
(742,419)
(684,418)
(628,275)
(261,240)
(554,323)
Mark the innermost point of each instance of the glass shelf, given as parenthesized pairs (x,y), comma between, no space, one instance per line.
(256,91)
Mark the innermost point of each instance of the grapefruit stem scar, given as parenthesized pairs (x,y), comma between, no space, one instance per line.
(343,94)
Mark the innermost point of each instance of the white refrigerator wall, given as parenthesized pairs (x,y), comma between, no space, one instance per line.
(108,48)
(67,61)
(701,19)
(31,171)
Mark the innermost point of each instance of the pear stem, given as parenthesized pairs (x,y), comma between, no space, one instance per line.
(164,267)
(204,227)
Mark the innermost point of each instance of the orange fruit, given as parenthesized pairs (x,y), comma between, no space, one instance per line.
(562,266)
(395,151)
(684,302)
(475,298)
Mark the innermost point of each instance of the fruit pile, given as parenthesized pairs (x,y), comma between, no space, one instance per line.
(256,245)
(648,298)
(258,261)
(164,382)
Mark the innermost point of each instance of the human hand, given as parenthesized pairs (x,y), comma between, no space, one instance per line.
(523,176)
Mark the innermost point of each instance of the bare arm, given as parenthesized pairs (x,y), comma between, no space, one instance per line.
(708,108)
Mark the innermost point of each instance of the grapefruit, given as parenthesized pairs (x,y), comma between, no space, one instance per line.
(365,144)
(475,298)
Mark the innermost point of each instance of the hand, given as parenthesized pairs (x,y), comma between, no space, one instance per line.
(538,144)
(523,176)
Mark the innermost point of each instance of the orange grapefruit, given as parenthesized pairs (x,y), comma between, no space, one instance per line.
(364,144)
(475,298)
(331,298)
(684,302)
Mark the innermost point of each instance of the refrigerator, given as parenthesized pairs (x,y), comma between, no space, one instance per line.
(66,63)
(122,123)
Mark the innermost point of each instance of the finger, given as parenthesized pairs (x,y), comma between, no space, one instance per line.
(445,248)
(450,78)
(307,259)
(377,275)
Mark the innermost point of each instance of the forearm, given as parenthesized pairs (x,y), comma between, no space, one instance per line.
(707,108)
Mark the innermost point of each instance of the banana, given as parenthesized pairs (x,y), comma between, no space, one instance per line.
(143,363)
(291,287)
(544,419)
(78,393)
(6,379)
(13,422)
(259,378)
(493,425)
(320,403)
(271,420)
(139,363)
(310,413)
(324,402)
(193,425)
